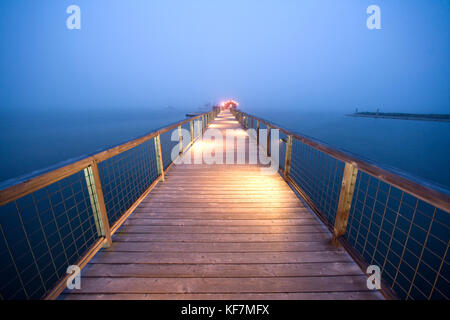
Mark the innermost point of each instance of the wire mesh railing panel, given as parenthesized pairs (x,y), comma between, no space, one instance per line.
(318,175)
(251,123)
(167,145)
(126,176)
(406,237)
(197,128)
(42,234)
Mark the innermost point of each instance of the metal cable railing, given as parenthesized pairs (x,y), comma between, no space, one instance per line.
(62,217)
(380,217)
(319,176)
(407,237)
(126,176)
(42,234)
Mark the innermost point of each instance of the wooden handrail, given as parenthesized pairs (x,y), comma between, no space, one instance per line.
(434,197)
(23,188)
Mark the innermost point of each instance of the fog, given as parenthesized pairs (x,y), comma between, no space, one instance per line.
(315,55)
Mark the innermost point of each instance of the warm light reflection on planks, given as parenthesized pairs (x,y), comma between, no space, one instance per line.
(222,232)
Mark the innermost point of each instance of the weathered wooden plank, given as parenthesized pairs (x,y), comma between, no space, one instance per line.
(218,216)
(225,181)
(221,257)
(223,285)
(238,189)
(223,204)
(232,210)
(212,201)
(225,174)
(222,270)
(220,222)
(153,246)
(222,229)
(192,197)
(190,182)
(204,186)
(330,295)
(221,196)
(224,193)
(222,237)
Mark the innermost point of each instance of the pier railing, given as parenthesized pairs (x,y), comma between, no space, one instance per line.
(380,217)
(64,216)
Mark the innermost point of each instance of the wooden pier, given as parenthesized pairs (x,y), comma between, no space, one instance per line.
(222,231)
(146,220)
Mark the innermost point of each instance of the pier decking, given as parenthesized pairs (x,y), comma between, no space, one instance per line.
(222,232)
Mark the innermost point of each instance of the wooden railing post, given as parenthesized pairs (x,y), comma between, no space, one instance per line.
(92,176)
(159,161)
(257,132)
(203,124)
(345,201)
(180,139)
(268,140)
(287,162)
(191,127)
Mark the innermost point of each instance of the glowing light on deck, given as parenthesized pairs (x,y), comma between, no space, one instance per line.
(229,104)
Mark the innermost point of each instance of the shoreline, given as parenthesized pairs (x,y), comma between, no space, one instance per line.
(406,116)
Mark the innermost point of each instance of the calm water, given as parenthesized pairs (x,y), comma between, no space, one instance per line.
(420,148)
(30,142)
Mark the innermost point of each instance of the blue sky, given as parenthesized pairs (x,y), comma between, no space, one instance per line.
(312,55)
